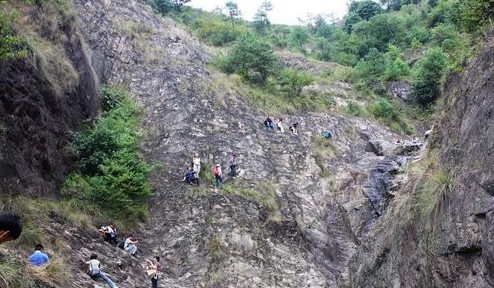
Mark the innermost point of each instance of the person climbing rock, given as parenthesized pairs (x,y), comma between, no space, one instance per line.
(326,134)
(153,270)
(233,165)
(130,245)
(293,128)
(190,177)
(109,233)
(279,125)
(10,227)
(268,123)
(38,258)
(217,175)
(95,272)
(196,164)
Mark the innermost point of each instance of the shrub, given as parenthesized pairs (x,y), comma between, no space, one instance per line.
(110,172)
(353,108)
(293,80)
(382,109)
(427,77)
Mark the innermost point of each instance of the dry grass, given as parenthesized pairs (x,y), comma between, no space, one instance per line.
(46,41)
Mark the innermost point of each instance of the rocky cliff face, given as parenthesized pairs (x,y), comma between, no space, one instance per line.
(43,99)
(450,247)
(294,215)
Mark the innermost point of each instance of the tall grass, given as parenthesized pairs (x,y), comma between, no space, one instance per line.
(435,194)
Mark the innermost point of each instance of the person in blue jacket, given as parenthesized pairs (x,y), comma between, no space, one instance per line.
(38,258)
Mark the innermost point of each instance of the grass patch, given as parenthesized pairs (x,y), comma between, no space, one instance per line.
(435,194)
(217,249)
(324,150)
(262,192)
(12,273)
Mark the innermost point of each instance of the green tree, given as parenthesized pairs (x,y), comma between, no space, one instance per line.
(252,58)
(365,9)
(261,21)
(350,20)
(233,12)
(426,85)
(396,67)
(472,14)
(168,6)
(299,37)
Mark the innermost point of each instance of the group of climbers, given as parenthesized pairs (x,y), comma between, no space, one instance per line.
(153,267)
(268,123)
(191,176)
(278,124)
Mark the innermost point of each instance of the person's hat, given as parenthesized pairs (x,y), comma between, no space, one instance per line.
(217,165)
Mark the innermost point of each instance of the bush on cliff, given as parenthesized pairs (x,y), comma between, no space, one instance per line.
(109,169)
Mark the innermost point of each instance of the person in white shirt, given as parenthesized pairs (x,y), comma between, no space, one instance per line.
(95,272)
(130,245)
(196,162)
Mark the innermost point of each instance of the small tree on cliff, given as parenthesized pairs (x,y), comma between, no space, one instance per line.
(251,58)
(426,86)
(233,12)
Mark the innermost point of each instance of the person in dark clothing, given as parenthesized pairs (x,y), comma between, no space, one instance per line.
(293,128)
(110,233)
(190,177)
(10,227)
(233,165)
(268,123)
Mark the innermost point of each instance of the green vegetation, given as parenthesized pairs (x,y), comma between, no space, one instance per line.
(12,46)
(414,42)
(109,170)
(435,193)
(263,192)
(252,58)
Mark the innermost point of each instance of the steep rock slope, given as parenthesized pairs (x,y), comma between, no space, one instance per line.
(452,246)
(302,232)
(43,99)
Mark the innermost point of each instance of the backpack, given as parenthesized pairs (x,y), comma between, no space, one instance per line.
(216,171)
(121,245)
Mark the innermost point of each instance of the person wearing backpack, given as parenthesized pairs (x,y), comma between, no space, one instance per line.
(95,272)
(110,233)
(217,175)
(153,270)
(190,177)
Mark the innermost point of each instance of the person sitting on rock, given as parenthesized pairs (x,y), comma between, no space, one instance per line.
(190,177)
(110,233)
(95,272)
(326,134)
(130,245)
(268,123)
(38,258)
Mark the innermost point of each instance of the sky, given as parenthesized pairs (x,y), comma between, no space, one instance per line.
(284,11)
